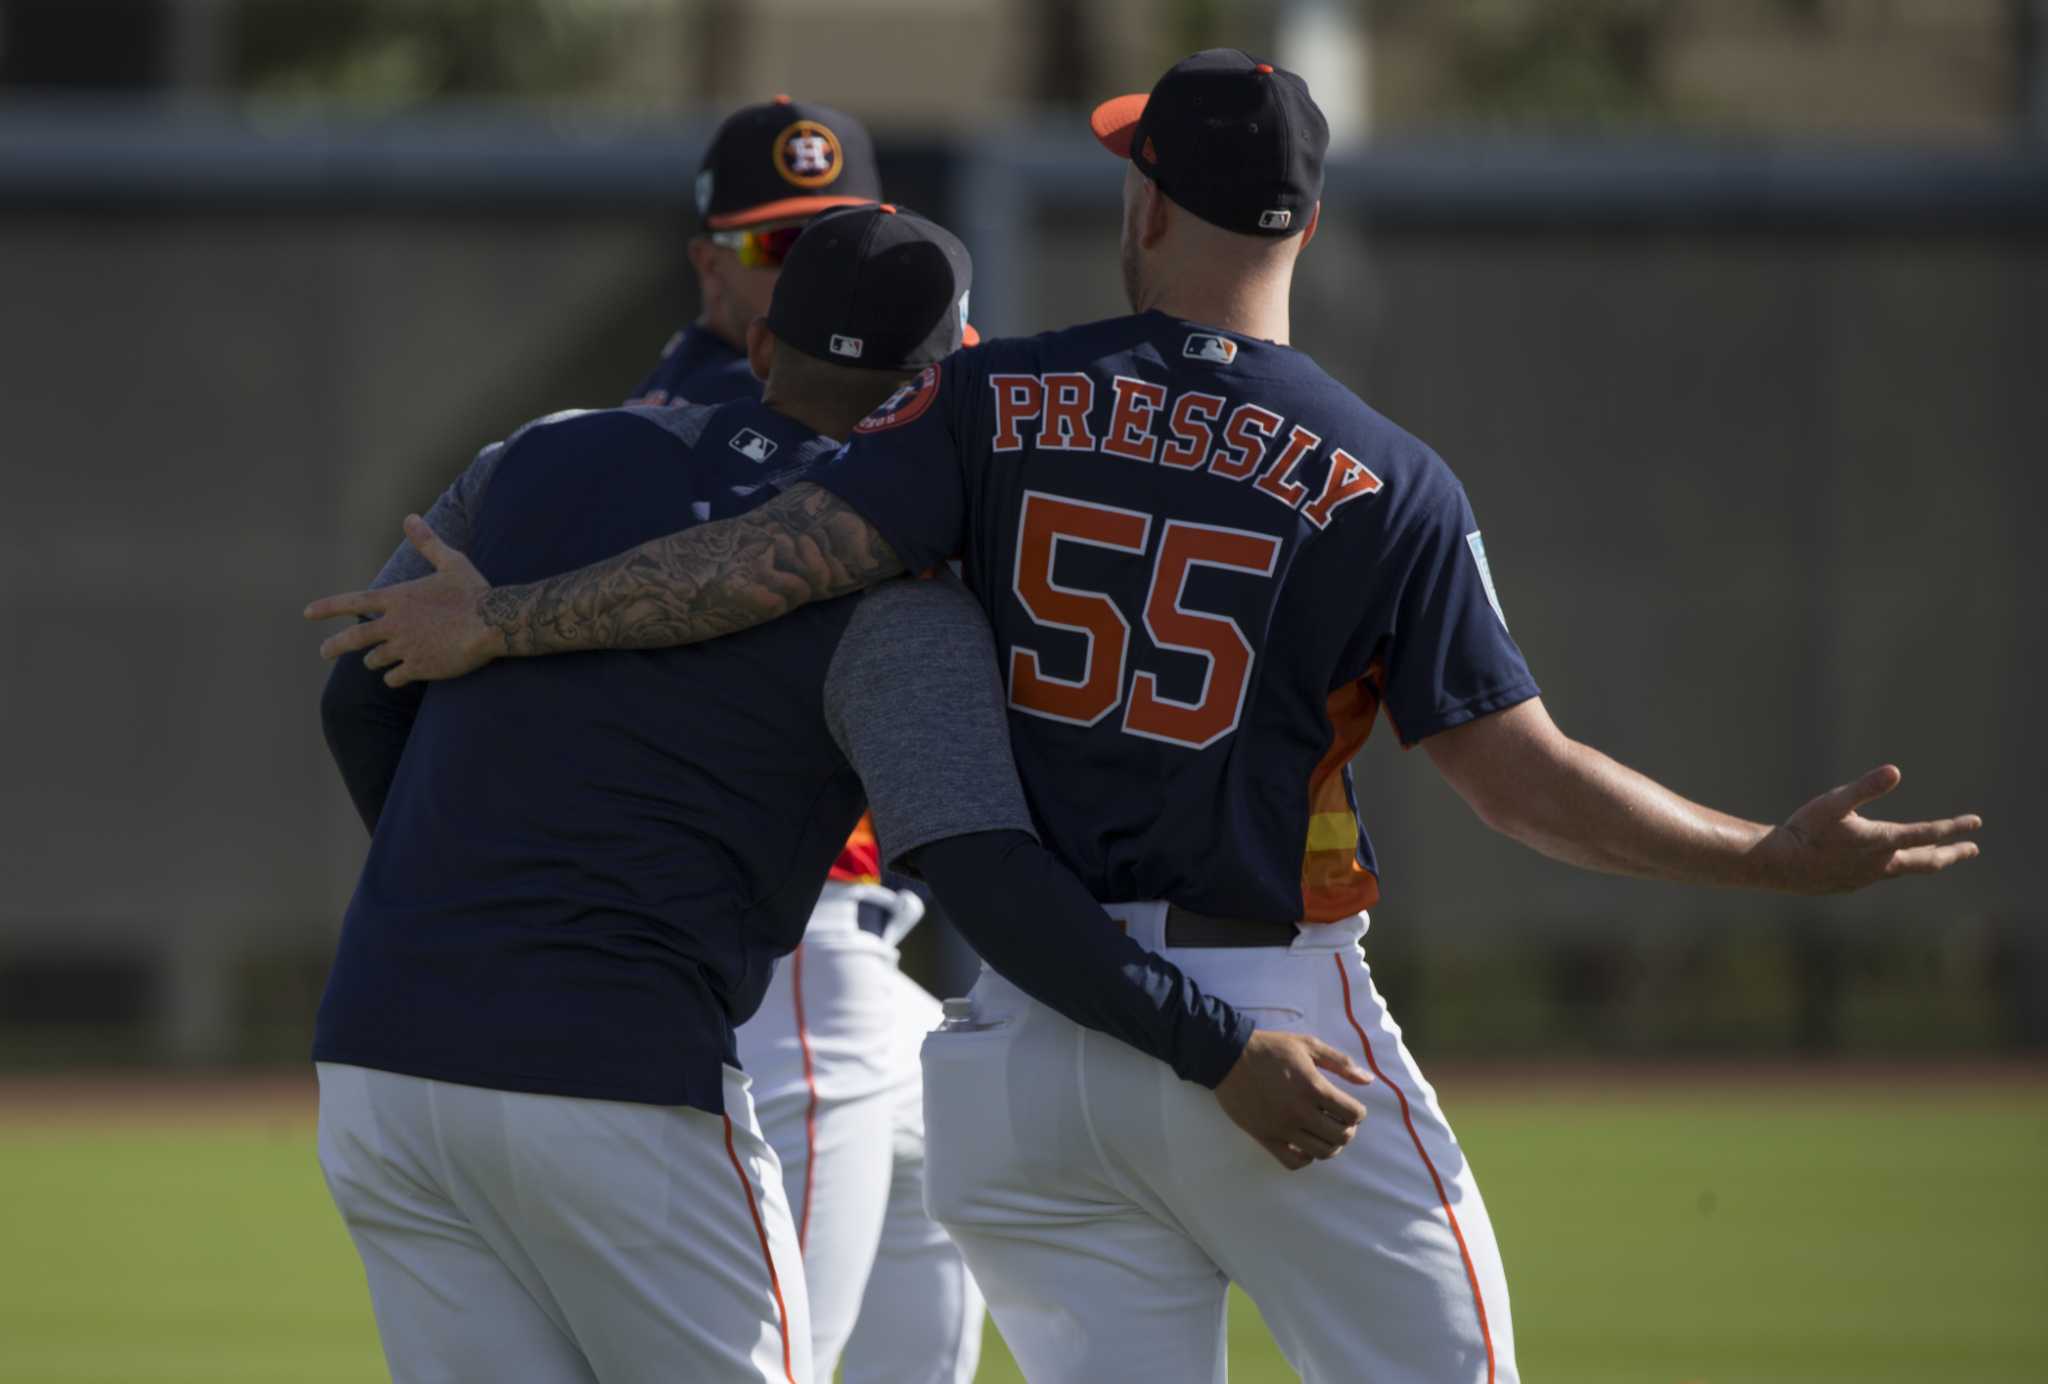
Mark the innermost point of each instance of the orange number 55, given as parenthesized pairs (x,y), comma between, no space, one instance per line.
(1049,520)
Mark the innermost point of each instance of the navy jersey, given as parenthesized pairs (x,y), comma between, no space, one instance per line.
(698,367)
(1208,566)
(586,865)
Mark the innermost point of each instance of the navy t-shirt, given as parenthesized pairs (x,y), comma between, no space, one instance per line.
(586,865)
(698,367)
(1208,566)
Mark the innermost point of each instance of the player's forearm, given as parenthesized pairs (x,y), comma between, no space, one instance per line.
(1586,809)
(1034,923)
(803,546)
(1530,781)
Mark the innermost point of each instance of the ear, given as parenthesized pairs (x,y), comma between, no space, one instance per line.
(702,253)
(760,348)
(1315,219)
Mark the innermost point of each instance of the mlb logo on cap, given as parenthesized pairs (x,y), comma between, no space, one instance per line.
(1218,350)
(752,445)
(1236,141)
(872,288)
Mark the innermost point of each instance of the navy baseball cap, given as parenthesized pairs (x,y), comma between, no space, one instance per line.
(875,287)
(1237,141)
(784,160)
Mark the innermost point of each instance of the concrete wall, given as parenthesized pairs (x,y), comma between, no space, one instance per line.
(207,420)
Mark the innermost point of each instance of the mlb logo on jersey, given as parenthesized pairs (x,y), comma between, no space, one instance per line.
(847,346)
(752,445)
(1218,350)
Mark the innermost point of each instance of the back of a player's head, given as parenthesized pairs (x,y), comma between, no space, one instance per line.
(1226,163)
(824,389)
(1236,141)
(868,296)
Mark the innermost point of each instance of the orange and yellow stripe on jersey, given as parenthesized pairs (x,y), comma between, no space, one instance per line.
(860,859)
(1333,884)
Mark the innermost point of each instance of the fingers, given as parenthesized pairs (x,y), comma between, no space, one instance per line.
(362,636)
(382,656)
(1324,1134)
(349,603)
(428,543)
(1332,1059)
(1342,1106)
(1929,860)
(1840,802)
(1900,835)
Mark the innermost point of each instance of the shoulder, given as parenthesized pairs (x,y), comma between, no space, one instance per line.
(577,429)
(1066,347)
(1404,463)
(684,422)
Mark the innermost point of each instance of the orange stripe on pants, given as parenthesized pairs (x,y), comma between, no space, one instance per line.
(803,1042)
(767,1256)
(1407,1118)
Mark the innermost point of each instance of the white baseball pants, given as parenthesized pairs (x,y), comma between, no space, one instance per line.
(833,1053)
(1105,1205)
(554,1240)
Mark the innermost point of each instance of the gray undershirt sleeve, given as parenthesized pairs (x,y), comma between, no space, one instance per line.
(452,516)
(913,699)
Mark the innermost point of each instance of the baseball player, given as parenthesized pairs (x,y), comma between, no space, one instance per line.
(1209,567)
(768,170)
(531,1116)
(833,1050)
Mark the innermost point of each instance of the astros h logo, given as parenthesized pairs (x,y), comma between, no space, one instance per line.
(807,154)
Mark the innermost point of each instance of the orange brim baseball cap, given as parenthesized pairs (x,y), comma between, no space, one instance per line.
(1236,141)
(1115,122)
(785,209)
(784,160)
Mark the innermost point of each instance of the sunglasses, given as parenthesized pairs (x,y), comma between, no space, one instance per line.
(759,249)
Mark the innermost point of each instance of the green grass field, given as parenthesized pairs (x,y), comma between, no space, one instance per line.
(1724,1232)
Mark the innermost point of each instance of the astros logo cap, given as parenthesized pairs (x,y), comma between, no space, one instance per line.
(1237,141)
(874,287)
(784,160)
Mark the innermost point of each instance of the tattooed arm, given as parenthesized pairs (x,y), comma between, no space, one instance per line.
(805,545)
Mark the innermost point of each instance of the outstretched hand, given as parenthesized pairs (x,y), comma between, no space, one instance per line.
(423,630)
(1828,847)
(1277,1094)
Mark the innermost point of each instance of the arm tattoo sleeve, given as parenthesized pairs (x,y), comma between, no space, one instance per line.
(805,545)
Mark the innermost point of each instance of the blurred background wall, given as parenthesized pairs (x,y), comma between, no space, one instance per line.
(1730,315)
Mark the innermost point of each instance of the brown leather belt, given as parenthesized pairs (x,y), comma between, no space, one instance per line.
(1186,929)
